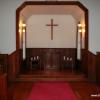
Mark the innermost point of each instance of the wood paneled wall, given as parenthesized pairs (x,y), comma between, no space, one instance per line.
(12,61)
(84,61)
(3,87)
(98,68)
(3,63)
(91,66)
(57,53)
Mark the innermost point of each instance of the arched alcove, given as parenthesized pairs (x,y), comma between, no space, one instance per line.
(52,7)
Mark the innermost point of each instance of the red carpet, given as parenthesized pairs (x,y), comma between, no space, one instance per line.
(52,91)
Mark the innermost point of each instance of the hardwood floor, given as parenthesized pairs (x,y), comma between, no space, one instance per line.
(83,90)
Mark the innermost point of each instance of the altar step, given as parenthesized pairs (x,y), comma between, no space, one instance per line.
(71,77)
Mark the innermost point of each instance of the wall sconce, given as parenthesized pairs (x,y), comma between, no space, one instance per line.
(22,30)
(79,24)
(81,28)
(22,27)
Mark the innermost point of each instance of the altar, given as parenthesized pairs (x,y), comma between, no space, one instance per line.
(52,60)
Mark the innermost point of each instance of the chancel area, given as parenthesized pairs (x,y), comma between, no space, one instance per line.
(49,50)
(49,43)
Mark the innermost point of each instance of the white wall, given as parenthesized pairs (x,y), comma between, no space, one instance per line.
(7,24)
(39,35)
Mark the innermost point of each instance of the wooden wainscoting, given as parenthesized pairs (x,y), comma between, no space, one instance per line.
(3,63)
(91,66)
(84,62)
(53,57)
(12,61)
(3,87)
(98,68)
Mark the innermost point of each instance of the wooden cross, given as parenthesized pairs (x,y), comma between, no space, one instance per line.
(52,26)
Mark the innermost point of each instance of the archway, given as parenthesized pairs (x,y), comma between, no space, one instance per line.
(53,3)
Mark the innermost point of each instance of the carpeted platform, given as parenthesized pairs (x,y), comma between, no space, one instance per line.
(51,91)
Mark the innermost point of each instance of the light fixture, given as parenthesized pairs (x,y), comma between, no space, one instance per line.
(79,25)
(23,30)
(20,31)
(81,28)
(22,27)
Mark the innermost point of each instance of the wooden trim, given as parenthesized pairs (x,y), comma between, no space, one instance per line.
(51,3)
(86,29)
(17,31)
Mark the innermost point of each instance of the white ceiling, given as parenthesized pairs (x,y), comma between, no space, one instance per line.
(73,10)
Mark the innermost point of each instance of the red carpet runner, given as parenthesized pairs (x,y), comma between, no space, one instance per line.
(52,91)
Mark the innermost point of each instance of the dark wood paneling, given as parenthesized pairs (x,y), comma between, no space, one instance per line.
(91,66)
(3,63)
(98,68)
(3,87)
(84,67)
(53,56)
(13,68)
